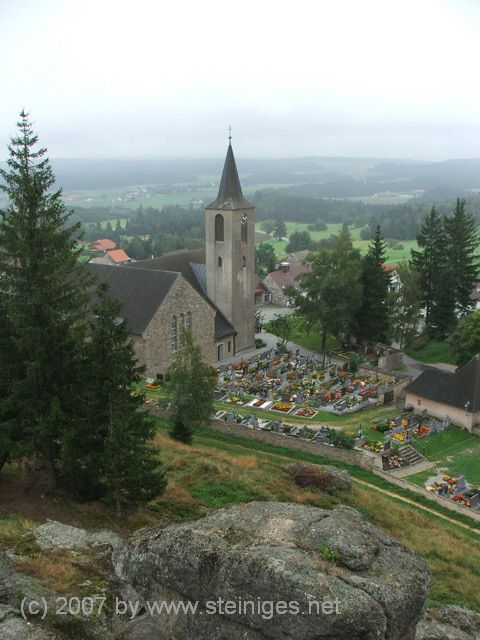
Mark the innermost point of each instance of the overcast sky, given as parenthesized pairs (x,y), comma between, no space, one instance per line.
(162,78)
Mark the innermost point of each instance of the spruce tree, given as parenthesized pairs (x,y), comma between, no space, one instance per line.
(461,253)
(115,450)
(44,301)
(372,321)
(430,260)
(190,383)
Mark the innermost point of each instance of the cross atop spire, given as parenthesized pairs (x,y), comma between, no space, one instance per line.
(230,134)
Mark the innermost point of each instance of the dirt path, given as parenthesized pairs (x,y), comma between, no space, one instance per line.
(392,494)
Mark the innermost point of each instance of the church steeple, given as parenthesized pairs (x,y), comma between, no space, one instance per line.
(230,194)
(230,258)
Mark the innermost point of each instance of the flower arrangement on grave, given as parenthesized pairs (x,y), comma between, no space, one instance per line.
(422,431)
(305,412)
(153,385)
(373,445)
(259,402)
(285,407)
(400,437)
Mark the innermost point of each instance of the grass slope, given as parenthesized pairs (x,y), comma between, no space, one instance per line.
(220,470)
(433,353)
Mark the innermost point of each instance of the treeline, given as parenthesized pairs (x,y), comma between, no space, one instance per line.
(448,263)
(401,222)
(68,364)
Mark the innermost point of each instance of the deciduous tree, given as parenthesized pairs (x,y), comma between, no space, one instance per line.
(190,384)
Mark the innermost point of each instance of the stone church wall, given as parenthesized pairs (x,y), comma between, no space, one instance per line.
(156,346)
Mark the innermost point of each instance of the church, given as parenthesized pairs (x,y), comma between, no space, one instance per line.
(211,291)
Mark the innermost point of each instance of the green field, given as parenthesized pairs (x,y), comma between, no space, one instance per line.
(394,256)
(453,451)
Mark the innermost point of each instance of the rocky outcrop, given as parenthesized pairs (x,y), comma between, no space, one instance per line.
(330,573)
(55,535)
(449,623)
(14,628)
(8,585)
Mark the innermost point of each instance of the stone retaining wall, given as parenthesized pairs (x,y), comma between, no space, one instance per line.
(358,458)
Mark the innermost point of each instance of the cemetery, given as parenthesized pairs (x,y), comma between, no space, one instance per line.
(293,384)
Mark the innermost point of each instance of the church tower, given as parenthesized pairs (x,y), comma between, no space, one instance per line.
(230,254)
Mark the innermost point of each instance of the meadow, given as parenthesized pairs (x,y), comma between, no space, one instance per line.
(394,256)
(219,470)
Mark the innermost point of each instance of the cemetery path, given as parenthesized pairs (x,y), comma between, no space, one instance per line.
(412,469)
(422,507)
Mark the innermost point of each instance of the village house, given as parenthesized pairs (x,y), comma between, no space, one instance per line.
(112,257)
(102,244)
(276,281)
(444,393)
(211,291)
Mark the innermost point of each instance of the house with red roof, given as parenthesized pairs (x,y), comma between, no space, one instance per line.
(114,257)
(103,244)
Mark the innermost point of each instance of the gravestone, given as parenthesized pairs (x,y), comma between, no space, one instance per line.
(461,485)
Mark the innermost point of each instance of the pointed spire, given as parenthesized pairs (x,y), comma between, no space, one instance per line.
(230,194)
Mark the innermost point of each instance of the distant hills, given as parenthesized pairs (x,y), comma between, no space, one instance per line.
(310,176)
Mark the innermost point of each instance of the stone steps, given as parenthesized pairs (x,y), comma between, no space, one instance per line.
(410,454)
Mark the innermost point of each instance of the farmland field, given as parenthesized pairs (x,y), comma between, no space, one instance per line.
(394,256)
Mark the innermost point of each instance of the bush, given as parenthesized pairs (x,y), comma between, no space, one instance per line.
(339,439)
(308,476)
(259,343)
(420,342)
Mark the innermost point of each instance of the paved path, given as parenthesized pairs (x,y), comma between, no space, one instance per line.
(416,367)
(412,469)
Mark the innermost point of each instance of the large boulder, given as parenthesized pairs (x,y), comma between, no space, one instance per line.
(8,584)
(14,628)
(449,623)
(57,536)
(323,573)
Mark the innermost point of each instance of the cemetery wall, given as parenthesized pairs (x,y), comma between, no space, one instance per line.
(358,458)
(157,348)
(458,416)
(445,502)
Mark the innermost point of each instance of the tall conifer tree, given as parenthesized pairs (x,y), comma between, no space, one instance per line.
(461,253)
(373,317)
(113,453)
(44,299)
(430,260)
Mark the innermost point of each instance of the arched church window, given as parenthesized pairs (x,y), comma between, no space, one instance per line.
(244,231)
(182,329)
(244,261)
(219,263)
(219,232)
(173,333)
(188,320)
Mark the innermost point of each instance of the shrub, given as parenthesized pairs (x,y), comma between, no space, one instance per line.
(308,476)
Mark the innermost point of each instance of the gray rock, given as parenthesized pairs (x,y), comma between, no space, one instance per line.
(8,585)
(13,628)
(55,535)
(264,553)
(321,476)
(449,623)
